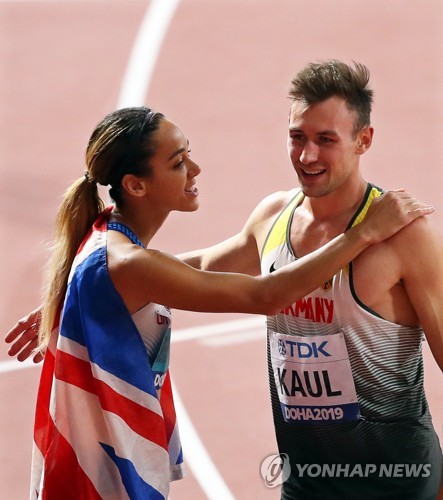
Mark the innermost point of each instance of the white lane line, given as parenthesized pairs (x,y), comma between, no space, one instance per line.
(203,332)
(197,457)
(226,333)
(14,365)
(145,52)
(234,338)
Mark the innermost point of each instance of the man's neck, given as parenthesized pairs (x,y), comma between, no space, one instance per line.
(318,220)
(336,205)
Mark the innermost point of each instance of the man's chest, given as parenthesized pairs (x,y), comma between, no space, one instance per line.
(375,275)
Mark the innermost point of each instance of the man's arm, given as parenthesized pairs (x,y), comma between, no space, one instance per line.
(241,253)
(237,254)
(24,337)
(420,249)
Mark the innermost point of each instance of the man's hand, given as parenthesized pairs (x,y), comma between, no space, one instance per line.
(24,336)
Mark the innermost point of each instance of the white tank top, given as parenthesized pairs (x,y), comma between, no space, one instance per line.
(153,321)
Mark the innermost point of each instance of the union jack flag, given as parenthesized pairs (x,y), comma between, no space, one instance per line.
(101,428)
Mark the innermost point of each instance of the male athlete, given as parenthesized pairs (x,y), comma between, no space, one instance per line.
(345,362)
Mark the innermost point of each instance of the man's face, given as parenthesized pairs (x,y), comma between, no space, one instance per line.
(322,146)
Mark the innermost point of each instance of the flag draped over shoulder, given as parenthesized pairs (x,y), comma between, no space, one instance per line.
(101,429)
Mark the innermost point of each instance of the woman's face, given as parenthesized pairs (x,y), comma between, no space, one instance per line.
(172,182)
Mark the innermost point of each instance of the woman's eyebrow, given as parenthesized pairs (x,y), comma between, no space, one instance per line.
(181,150)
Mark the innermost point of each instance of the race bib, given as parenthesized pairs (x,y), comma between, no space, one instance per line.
(313,378)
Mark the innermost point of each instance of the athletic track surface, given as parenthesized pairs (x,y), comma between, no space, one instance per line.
(220,69)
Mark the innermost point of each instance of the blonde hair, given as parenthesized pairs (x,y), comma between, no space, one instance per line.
(120,144)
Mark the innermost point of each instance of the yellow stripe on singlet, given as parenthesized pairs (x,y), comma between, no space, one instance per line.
(374,193)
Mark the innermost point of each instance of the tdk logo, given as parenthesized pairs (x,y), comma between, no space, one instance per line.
(303,349)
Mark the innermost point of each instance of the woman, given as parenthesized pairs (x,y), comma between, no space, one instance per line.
(105,422)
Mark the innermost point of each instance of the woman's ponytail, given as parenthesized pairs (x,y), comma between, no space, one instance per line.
(80,208)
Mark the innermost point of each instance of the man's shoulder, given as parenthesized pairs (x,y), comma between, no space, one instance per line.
(421,231)
(274,203)
(265,213)
(416,243)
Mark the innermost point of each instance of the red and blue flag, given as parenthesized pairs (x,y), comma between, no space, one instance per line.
(102,430)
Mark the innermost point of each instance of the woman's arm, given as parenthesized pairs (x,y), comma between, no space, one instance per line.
(152,276)
(387,215)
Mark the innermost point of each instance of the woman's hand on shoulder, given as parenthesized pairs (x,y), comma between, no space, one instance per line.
(391,212)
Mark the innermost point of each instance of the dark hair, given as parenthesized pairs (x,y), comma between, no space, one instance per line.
(320,81)
(122,144)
